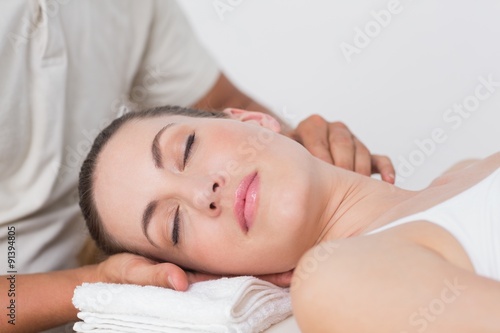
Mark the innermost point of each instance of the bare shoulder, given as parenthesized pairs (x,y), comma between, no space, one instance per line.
(469,171)
(380,283)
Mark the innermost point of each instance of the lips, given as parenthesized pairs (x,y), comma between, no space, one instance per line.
(246,201)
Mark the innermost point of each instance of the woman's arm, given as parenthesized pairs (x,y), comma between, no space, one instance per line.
(380,284)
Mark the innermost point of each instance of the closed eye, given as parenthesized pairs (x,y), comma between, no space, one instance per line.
(187,151)
(175,228)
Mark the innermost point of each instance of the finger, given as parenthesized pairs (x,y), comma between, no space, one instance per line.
(280,279)
(362,159)
(163,275)
(312,132)
(194,277)
(134,269)
(383,165)
(294,136)
(342,146)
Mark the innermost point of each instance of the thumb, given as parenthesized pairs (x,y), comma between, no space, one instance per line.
(133,269)
(194,277)
(161,275)
(280,279)
(294,135)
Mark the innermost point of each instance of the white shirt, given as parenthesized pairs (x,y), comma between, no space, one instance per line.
(66,67)
(473,218)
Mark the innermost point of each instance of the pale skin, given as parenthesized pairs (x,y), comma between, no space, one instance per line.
(375,277)
(357,287)
(44,300)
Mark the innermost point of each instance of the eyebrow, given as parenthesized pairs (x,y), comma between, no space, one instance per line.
(151,207)
(155,147)
(146,220)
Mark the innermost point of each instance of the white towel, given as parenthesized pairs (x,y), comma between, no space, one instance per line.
(234,305)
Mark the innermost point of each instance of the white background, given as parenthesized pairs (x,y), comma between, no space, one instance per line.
(396,90)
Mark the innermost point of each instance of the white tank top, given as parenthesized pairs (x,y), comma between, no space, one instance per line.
(473,218)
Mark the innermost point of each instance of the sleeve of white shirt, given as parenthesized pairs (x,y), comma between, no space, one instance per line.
(176,68)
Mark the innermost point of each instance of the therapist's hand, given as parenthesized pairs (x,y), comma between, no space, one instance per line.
(129,268)
(334,143)
(133,269)
(280,279)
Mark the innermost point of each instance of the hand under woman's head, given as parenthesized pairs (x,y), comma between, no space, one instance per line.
(220,193)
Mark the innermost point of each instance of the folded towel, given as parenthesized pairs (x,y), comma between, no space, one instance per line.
(242,304)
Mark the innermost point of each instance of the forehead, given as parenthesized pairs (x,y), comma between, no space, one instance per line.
(132,139)
(125,163)
(135,135)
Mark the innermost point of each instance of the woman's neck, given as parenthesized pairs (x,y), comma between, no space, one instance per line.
(355,202)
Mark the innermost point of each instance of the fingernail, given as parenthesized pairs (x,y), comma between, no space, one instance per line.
(172,284)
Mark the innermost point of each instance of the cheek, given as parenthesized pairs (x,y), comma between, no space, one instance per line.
(208,244)
(218,252)
(288,218)
(246,144)
(287,196)
(226,254)
(215,156)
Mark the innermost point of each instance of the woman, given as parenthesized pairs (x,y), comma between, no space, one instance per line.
(175,186)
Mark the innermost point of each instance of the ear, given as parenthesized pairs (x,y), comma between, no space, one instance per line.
(259,118)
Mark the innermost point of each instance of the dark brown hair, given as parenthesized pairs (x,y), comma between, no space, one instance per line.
(102,238)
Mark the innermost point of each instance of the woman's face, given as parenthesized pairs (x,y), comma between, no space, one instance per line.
(214,195)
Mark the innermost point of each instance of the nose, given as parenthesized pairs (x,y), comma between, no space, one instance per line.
(206,196)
